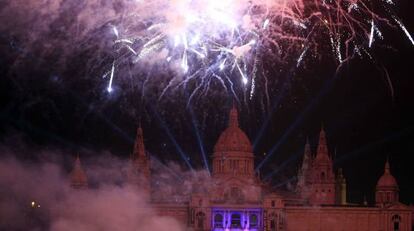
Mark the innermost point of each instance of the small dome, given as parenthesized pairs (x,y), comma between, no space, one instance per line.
(387,180)
(233,138)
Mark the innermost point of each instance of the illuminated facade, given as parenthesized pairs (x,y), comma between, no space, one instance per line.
(237,200)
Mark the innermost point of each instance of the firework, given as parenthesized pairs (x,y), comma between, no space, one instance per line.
(227,40)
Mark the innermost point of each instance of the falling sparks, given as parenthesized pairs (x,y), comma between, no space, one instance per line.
(404,29)
(352,6)
(207,40)
(389,2)
(222,65)
(301,56)
(111,78)
(243,76)
(371,36)
(115,30)
(266,23)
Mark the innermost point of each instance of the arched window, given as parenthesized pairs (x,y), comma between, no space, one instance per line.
(200,216)
(253,220)
(218,220)
(273,203)
(396,219)
(273,218)
(235,220)
(272,225)
(323,176)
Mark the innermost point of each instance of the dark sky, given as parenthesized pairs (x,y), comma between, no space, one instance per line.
(367,115)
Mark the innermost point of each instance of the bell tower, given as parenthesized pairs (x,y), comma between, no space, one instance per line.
(139,173)
(302,186)
(322,179)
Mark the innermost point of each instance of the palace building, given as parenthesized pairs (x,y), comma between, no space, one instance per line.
(237,200)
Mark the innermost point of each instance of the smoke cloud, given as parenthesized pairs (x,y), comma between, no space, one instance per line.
(55,31)
(36,195)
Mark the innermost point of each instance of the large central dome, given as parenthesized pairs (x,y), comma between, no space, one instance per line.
(233,153)
(233,139)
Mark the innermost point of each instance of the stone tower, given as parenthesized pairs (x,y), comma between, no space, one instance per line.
(302,186)
(387,188)
(340,188)
(78,179)
(322,180)
(139,172)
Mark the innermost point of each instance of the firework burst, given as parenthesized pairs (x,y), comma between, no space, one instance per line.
(202,41)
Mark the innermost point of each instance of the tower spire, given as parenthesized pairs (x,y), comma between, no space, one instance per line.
(307,148)
(233,116)
(387,166)
(139,147)
(303,173)
(78,177)
(322,152)
(306,157)
(139,173)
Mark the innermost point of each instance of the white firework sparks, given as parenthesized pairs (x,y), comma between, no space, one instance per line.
(404,29)
(206,40)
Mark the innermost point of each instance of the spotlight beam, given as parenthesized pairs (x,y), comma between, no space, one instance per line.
(299,119)
(364,149)
(199,139)
(285,182)
(172,139)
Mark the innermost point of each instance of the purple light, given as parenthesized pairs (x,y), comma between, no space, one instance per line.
(227,219)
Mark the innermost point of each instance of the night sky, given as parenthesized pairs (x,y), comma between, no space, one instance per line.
(367,116)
